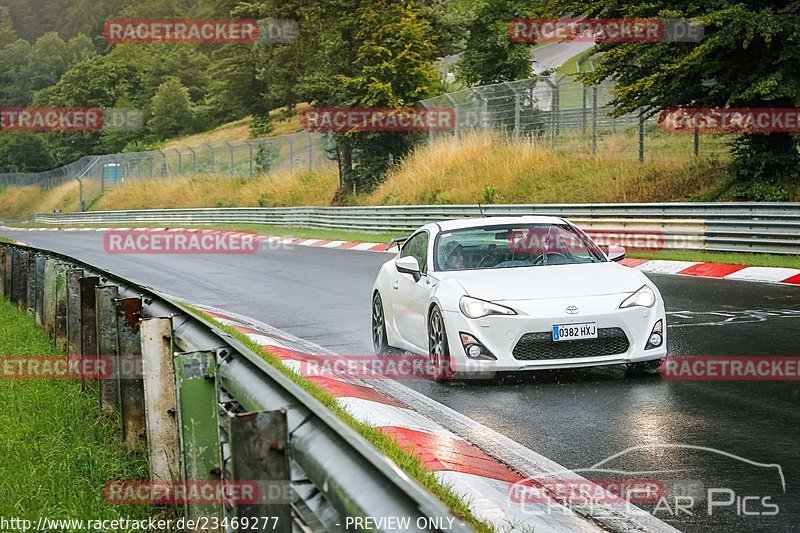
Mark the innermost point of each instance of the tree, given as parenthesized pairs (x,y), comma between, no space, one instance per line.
(171,110)
(749,57)
(380,57)
(7,33)
(24,152)
(490,56)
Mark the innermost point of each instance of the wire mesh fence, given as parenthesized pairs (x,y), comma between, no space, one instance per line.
(571,117)
(96,174)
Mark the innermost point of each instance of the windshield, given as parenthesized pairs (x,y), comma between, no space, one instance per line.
(514,246)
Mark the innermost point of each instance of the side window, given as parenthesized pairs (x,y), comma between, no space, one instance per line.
(417,246)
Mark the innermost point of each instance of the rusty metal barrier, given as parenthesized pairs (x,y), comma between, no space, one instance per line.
(207,407)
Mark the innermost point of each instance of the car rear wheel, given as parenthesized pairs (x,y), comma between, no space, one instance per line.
(379,341)
(437,346)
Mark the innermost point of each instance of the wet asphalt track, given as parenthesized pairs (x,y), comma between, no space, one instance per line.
(577,418)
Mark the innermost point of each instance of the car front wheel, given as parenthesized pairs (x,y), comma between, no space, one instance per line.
(379,342)
(437,346)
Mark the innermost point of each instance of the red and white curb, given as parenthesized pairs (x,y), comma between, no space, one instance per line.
(481,479)
(788,276)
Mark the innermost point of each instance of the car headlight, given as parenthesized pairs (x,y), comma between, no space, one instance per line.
(475,308)
(644,297)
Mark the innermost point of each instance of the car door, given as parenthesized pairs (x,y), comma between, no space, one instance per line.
(410,296)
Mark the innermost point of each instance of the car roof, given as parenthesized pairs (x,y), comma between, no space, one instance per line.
(459,223)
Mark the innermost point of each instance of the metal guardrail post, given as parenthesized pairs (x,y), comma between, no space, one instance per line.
(88,325)
(74,312)
(129,348)
(38,306)
(22,298)
(49,297)
(106,332)
(259,452)
(3,251)
(198,411)
(15,260)
(159,395)
(60,331)
(30,299)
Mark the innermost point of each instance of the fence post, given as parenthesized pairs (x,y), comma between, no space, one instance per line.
(88,326)
(31,299)
(696,139)
(310,152)
(159,395)
(7,269)
(213,159)
(641,135)
(22,294)
(194,159)
(74,276)
(14,292)
(129,348)
(230,148)
(49,297)
(250,146)
(106,332)
(594,120)
(199,423)
(259,444)
(583,109)
(60,331)
(456,117)
(180,162)
(38,308)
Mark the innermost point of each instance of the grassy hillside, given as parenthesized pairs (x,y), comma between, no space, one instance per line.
(21,202)
(476,168)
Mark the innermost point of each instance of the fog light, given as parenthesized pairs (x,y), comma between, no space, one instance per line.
(656,338)
(474,349)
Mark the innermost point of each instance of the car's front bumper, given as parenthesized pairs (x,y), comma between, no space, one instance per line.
(501,333)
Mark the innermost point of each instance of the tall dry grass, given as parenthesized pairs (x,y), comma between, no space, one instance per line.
(16,203)
(476,168)
(490,169)
(279,189)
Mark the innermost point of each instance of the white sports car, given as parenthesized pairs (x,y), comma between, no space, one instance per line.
(483,295)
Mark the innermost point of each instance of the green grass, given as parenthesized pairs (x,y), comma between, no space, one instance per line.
(3,239)
(405,460)
(762,260)
(57,450)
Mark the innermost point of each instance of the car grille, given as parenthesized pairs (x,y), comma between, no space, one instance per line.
(538,346)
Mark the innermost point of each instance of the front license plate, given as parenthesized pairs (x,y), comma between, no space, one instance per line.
(571,332)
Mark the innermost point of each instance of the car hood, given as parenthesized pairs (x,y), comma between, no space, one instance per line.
(542,282)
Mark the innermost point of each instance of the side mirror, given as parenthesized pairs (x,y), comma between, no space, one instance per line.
(616,253)
(409,265)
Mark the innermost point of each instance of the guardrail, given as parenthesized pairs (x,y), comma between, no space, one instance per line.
(727,227)
(209,408)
